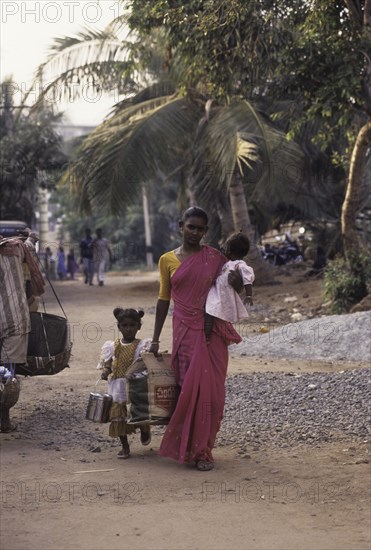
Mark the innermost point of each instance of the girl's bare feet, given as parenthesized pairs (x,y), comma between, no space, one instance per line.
(125,451)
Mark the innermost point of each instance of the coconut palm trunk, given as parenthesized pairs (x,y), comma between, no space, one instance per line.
(357,166)
(352,197)
(147,229)
(241,219)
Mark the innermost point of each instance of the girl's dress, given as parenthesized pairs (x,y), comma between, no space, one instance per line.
(223,301)
(119,357)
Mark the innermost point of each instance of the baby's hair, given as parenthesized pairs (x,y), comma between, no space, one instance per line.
(121,313)
(237,244)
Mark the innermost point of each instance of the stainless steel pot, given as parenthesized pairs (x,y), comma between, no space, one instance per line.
(98,408)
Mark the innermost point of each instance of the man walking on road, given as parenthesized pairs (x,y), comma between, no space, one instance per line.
(86,253)
(101,255)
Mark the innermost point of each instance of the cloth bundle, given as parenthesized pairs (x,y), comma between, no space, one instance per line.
(152,392)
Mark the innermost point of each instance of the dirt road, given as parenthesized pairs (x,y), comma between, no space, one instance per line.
(63,487)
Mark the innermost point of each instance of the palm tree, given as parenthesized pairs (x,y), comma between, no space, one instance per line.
(147,137)
(159,131)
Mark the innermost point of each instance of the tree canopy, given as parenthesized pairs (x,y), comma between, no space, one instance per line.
(308,62)
(29,145)
(303,65)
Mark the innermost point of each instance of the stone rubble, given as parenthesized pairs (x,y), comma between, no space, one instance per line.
(335,337)
(285,410)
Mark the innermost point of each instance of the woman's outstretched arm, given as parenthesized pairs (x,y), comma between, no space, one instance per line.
(161,312)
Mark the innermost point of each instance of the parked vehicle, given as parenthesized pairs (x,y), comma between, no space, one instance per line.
(285,253)
(11,228)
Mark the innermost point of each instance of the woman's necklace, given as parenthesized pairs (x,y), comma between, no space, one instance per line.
(184,255)
(180,253)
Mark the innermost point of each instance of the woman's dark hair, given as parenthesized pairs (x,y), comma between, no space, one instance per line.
(195,212)
(136,315)
(237,244)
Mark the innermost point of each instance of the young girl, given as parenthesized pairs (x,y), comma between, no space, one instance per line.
(116,358)
(222,301)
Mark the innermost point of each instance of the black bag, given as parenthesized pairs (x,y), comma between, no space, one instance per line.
(48,336)
(49,345)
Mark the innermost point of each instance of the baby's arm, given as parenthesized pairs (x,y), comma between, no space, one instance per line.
(248,278)
(248,297)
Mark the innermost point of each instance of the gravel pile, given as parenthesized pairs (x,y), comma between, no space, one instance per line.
(335,337)
(285,410)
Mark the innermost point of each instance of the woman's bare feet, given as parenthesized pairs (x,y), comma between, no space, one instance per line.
(204,465)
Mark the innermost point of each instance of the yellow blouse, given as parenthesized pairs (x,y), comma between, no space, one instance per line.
(167,265)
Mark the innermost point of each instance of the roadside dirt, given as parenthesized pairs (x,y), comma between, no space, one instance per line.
(62,486)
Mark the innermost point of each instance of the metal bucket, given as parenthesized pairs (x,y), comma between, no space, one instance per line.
(98,408)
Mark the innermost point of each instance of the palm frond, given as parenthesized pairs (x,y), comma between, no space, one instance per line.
(163,88)
(88,47)
(246,152)
(98,59)
(223,136)
(131,148)
(238,137)
(119,26)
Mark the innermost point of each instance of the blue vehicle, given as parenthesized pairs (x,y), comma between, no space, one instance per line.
(11,228)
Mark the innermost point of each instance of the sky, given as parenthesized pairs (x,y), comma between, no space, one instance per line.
(28,28)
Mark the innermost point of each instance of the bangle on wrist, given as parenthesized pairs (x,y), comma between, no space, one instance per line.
(155,342)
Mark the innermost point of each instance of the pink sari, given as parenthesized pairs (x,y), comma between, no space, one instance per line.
(200,369)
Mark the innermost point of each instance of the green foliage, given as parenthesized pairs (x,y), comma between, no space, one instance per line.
(125,231)
(324,69)
(304,63)
(28,145)
(346,282)
(98,60)
(309,55)
(134,146)
(223,43)
(313,53)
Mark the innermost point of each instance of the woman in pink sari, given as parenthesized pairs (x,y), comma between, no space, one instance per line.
(186,275)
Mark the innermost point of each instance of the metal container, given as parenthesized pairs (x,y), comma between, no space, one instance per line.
(91,407)
(98,408)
